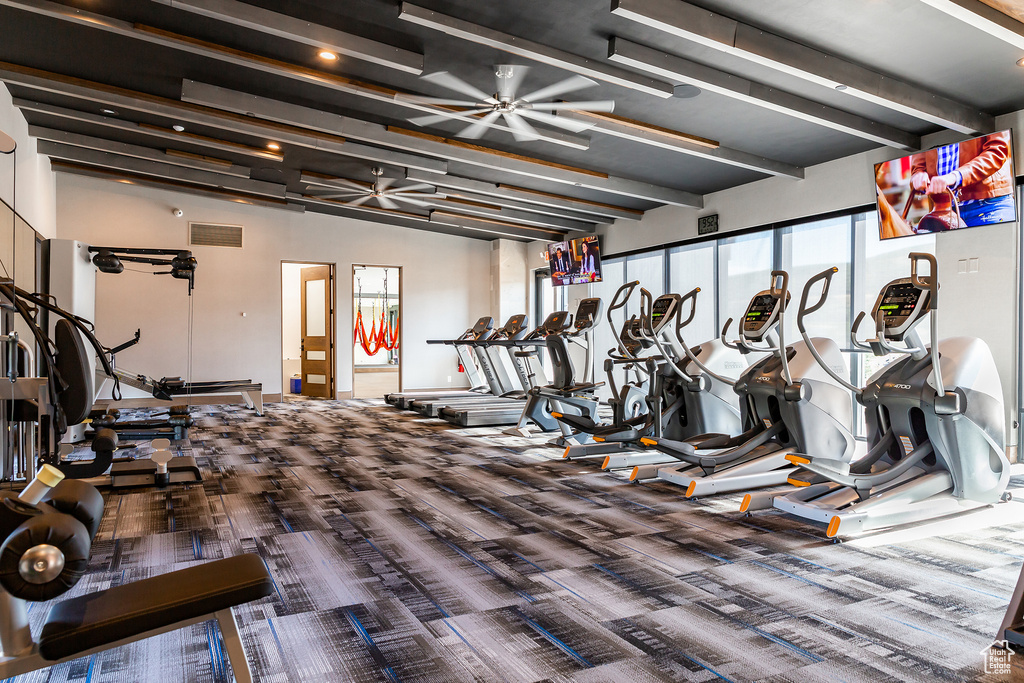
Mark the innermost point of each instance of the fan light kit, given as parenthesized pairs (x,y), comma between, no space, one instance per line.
(483,110)
(381,192)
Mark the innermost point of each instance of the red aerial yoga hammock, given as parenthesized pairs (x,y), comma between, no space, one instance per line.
(384,336)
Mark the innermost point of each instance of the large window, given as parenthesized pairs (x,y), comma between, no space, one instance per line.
(690,266)
(744,266)
(805,251)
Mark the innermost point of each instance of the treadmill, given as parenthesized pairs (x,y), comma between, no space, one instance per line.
(493,364)
(482,329)
(528,407)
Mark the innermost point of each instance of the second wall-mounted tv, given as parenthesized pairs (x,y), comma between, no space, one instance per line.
(575,262)
(960,185)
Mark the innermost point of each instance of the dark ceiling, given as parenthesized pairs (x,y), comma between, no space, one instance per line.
(111,43)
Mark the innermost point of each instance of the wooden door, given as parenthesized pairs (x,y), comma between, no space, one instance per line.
(317,348)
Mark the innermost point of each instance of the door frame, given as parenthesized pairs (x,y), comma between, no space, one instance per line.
(332,356)
(401,317)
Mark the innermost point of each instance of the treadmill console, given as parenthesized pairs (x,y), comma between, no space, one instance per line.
(903,305)
(515,327)
(762,313)
(587,313)
(554,323)
(663,309)
(482,325)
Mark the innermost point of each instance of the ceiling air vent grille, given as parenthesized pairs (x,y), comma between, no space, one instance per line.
(214,235)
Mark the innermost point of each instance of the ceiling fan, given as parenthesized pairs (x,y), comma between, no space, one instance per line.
(483,111)
(380,192)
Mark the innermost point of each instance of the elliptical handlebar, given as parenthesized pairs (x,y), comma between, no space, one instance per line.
(931,285)
(690,296)
(646,322)
(853,333)
(782,292)
(680,324)
(826,277)
(732,345)
(625,291)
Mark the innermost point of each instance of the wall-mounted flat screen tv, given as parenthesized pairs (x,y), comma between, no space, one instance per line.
(960,185)
(575,262)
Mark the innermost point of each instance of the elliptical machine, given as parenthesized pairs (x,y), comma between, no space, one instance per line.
(935,422)
(790,405)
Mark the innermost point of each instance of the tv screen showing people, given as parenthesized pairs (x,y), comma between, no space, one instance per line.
(959,185)
(575,262)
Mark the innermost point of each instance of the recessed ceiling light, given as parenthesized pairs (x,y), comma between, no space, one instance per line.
(108,112)
(1020,62)
(178,127)
(328,55)
(273,145)
(841,87)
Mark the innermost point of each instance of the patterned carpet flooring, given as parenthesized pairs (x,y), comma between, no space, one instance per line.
(406,550)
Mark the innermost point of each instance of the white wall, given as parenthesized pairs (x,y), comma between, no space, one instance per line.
(443,276)
(36,188)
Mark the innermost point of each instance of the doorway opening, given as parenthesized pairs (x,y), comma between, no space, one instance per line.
(376,325)
(308,348)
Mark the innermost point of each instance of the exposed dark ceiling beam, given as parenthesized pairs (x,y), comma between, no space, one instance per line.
(320,180)
(411,141)
(308,33)
(467,205)
(56,150)
(530,50)
(984,18)
(146,129)
(766,97)
(646,134)
(402,219)
(174,185)
(259,63)
(604,213)
(497,228)
(139,152)
(326,140)
(693,23)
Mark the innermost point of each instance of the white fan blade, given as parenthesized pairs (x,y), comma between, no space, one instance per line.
(339,195)
(386,203)
(557,121)
(384,183)
(410,200)
(508,78)
(583,105)
(521,130)
(448,116)
(334,182)
(422,99)
(447,80)
(414,188)
(361,200)
(556,89)
(419,195)
(478,128)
